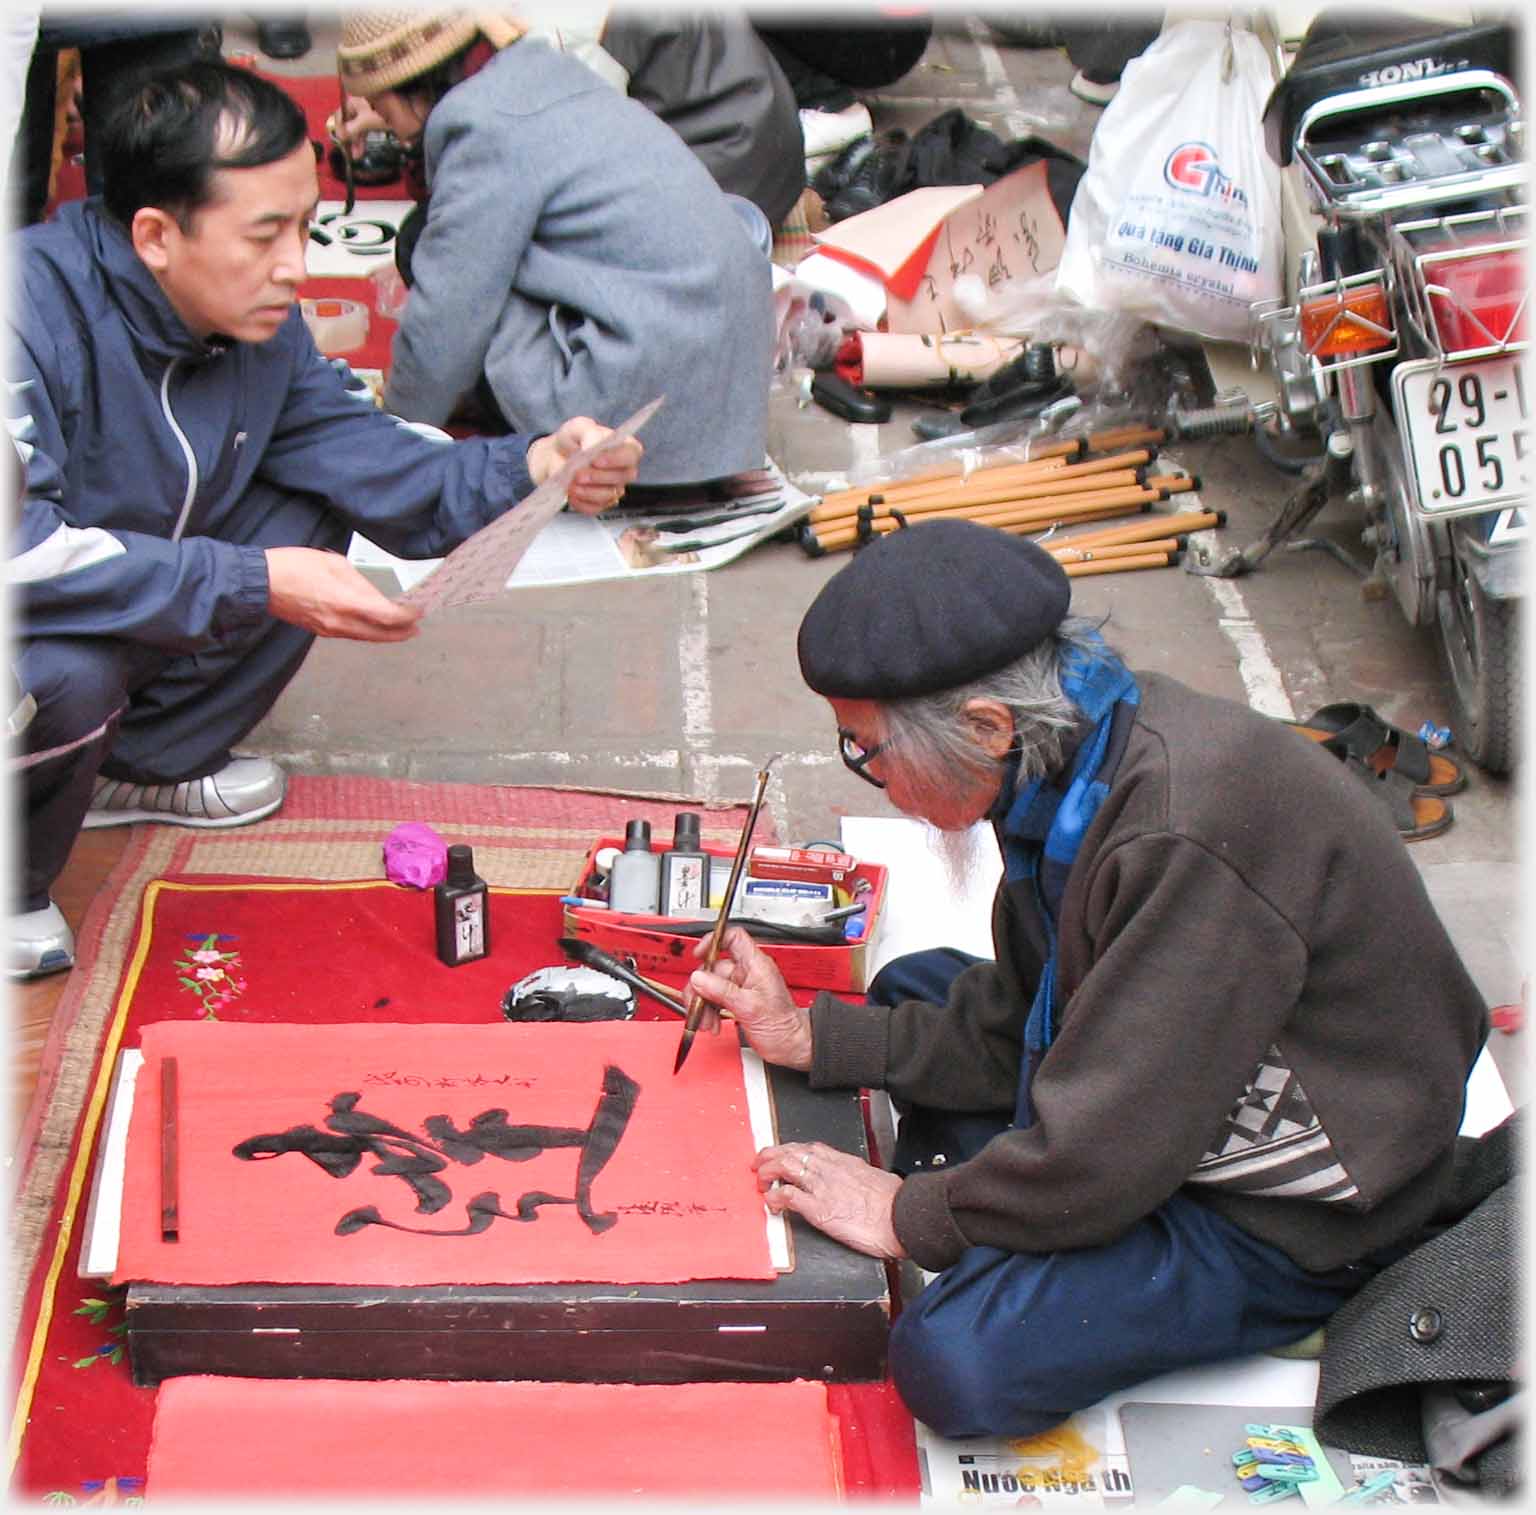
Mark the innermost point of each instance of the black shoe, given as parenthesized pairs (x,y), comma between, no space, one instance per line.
(1020,404)
(863,175)
(283,39)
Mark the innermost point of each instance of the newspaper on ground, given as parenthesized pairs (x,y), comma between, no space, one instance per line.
(624,544)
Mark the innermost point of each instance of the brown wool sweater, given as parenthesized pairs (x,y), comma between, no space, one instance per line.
(1259,1005)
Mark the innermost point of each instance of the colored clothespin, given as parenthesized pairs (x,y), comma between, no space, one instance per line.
(1287,1472)
(1273,1491)
(1374,1488)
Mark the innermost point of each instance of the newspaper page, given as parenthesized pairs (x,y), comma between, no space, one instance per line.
(626,544)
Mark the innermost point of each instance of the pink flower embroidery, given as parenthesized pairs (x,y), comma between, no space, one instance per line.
(211,974)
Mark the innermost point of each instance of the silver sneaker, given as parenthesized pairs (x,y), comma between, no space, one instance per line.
(242,791)
(41,942)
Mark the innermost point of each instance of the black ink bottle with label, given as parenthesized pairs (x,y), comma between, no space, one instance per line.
(685,871)
(463,920)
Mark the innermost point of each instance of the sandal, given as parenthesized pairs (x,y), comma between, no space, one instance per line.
(1383,747)
(1416,814)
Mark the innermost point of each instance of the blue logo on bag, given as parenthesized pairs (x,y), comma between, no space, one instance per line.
(1192,168)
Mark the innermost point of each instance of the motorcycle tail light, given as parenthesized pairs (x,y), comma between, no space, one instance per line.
(1344,323)
(1480,301)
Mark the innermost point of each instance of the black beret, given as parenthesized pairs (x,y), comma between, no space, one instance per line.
(928,607)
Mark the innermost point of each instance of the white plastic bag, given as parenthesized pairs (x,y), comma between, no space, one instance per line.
(1177,220)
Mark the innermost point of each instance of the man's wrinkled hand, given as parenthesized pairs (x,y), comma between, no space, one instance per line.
(837,1192)
(323,593)
(747,982)
(603,481)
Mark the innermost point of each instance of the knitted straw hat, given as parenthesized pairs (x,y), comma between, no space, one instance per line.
(383,49)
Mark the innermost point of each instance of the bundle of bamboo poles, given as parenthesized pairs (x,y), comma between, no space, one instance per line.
(1060,484)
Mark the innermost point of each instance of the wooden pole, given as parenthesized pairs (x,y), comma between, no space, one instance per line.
(848,500)
(1177,524)
(1117,565)
(1126,436)
(1067,554)
(1045,490)
(1035,515)
(1038,457)
(1139,495)
(981,482)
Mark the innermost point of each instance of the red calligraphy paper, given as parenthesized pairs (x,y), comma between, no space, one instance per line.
(254,1437)
(433,1154)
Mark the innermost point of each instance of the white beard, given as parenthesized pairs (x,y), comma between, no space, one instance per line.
(960,853)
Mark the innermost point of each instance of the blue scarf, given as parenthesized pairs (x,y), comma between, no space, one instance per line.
(1043,823)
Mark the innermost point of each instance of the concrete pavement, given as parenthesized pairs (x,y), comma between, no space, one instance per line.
(683,685)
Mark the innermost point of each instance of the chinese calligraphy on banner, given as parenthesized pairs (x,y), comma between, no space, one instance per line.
(433,1154)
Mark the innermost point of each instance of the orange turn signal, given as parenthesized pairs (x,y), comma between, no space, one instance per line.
(1343,323)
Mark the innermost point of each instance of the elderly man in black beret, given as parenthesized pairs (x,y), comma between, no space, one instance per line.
(1213,1079)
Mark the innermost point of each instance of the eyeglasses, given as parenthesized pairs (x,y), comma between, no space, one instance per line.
(856,757)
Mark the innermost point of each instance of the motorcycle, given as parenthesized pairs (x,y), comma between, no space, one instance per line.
(1398,360)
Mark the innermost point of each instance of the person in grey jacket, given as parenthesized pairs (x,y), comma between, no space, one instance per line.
(193,472)
(575,256)
(1202,1094)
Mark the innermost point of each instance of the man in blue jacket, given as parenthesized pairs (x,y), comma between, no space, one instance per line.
(194,470)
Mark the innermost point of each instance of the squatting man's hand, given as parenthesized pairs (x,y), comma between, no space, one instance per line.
(603,481)
(841,1194)
(323,593)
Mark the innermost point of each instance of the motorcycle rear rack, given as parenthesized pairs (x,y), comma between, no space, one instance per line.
(1385,169)
(1428,252)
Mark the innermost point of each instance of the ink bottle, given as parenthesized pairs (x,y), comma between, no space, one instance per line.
(685,871)
(460,903)
(634,880)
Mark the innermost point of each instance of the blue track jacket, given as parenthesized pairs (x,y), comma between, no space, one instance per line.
(140,442)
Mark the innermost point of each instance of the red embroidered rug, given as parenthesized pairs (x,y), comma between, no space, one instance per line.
(80,1430)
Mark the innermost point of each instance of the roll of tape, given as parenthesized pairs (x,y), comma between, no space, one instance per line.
(338,326)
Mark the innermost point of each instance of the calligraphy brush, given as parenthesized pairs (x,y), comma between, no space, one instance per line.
(594,957)
(696,1004)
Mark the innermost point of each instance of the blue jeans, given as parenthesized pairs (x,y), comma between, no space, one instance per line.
(1011,1343)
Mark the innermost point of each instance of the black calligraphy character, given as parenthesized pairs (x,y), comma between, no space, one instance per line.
(401,1154)
(489,1134)
(1026,235)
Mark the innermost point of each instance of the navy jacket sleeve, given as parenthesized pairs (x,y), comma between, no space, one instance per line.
(74,580)
(417,496)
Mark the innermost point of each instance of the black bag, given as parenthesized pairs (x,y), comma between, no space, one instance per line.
(950,149)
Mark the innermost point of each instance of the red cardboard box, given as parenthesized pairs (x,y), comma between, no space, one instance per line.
(657,952)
